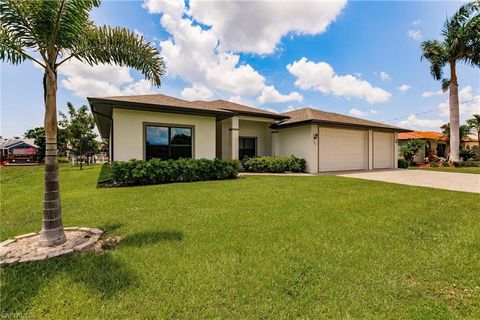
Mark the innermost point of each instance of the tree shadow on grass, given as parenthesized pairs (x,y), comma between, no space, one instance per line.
(104,177)
(146,238)
(101,274)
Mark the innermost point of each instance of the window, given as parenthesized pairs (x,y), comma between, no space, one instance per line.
(247,147)
(164,142)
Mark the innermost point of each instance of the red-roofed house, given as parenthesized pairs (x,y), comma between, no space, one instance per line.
(433,141)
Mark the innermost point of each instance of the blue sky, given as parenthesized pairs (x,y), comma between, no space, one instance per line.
(358,58)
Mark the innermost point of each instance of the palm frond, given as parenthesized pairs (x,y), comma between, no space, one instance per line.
(15,20)
(122,47)
(434,52)
(445,84)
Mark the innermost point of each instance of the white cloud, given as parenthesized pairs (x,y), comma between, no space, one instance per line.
(271,95)
(320,76)
(101,80)
(193,55)
(414,23)
(427,94)
(290,108)
(385,76)
(357,113)
(404,88)
(469,103)
(197,92)
(258,26)
(415,34)
(373,111)
(412,122)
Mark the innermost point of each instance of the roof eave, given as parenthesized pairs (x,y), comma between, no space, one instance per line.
(337,124)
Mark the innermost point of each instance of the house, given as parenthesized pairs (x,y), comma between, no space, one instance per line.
(434,141)
(18,150)
(160,126)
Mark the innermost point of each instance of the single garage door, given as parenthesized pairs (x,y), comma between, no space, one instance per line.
(342,149)
(382,150)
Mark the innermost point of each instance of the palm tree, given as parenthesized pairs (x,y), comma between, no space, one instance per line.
(461,42)
(464,131)
(474,123)
(51,33)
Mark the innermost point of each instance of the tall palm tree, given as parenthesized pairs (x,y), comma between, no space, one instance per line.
(51,33)
(474,123)
(461,42)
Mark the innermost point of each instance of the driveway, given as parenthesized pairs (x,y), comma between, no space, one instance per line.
(440,180)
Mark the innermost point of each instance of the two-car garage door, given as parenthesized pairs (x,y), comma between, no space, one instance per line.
(348,149)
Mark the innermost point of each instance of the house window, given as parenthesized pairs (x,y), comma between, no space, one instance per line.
(165,142)
(247,147)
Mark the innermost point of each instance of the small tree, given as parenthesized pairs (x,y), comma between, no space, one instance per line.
(79,127)
(410,149)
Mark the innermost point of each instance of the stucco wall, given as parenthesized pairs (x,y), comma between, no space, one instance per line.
(259,130)
(128,132)
(298,141)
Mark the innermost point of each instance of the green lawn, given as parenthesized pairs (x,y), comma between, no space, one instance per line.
(475,170)
(256,247)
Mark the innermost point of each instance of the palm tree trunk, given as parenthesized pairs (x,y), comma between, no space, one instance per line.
(454,115)
(52,231)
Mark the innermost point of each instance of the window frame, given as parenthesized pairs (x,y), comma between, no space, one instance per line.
(255,139)
(169,126)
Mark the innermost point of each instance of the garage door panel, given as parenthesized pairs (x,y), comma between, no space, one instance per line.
(382,150)
(341,149)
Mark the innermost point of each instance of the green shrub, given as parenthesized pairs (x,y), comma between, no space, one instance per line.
(155,171)
(469,163)
(63,160)
(467,154)
(278,164)
(403,164)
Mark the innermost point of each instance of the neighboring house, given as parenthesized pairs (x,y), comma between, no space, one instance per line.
(434,141)
(18,150)
(159,126)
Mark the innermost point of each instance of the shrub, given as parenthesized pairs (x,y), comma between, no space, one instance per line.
(410,149)
(467,154)
(278,164)
(155,171)
(403,164)
(469,163)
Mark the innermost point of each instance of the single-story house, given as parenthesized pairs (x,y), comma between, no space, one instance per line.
(160,126)
(434,141)
(18,150)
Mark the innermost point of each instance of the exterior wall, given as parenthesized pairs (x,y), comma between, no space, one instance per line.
(301,142)
(128,133)
(420,155)
(260,131)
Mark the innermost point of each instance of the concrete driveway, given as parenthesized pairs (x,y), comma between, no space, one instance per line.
(434,179)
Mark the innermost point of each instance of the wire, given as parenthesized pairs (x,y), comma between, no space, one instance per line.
(415,114)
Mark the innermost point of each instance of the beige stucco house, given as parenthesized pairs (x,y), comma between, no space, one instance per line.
(159,126)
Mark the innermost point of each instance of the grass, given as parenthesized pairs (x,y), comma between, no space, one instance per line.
(256,247)
(474,170)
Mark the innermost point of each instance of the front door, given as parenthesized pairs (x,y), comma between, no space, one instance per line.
(247,147)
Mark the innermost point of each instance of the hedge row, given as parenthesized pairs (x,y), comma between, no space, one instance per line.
(155,171)
(469,163)
(274,164)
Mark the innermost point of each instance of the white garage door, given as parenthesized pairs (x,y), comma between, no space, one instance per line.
(382,150)
(342,149)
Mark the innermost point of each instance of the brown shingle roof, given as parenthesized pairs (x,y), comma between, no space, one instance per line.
(318,116)
(239,108)
(216,105)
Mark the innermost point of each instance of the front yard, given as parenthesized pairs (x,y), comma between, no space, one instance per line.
(256,247)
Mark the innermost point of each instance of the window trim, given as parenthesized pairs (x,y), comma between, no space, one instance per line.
(248,137)
(169,125)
